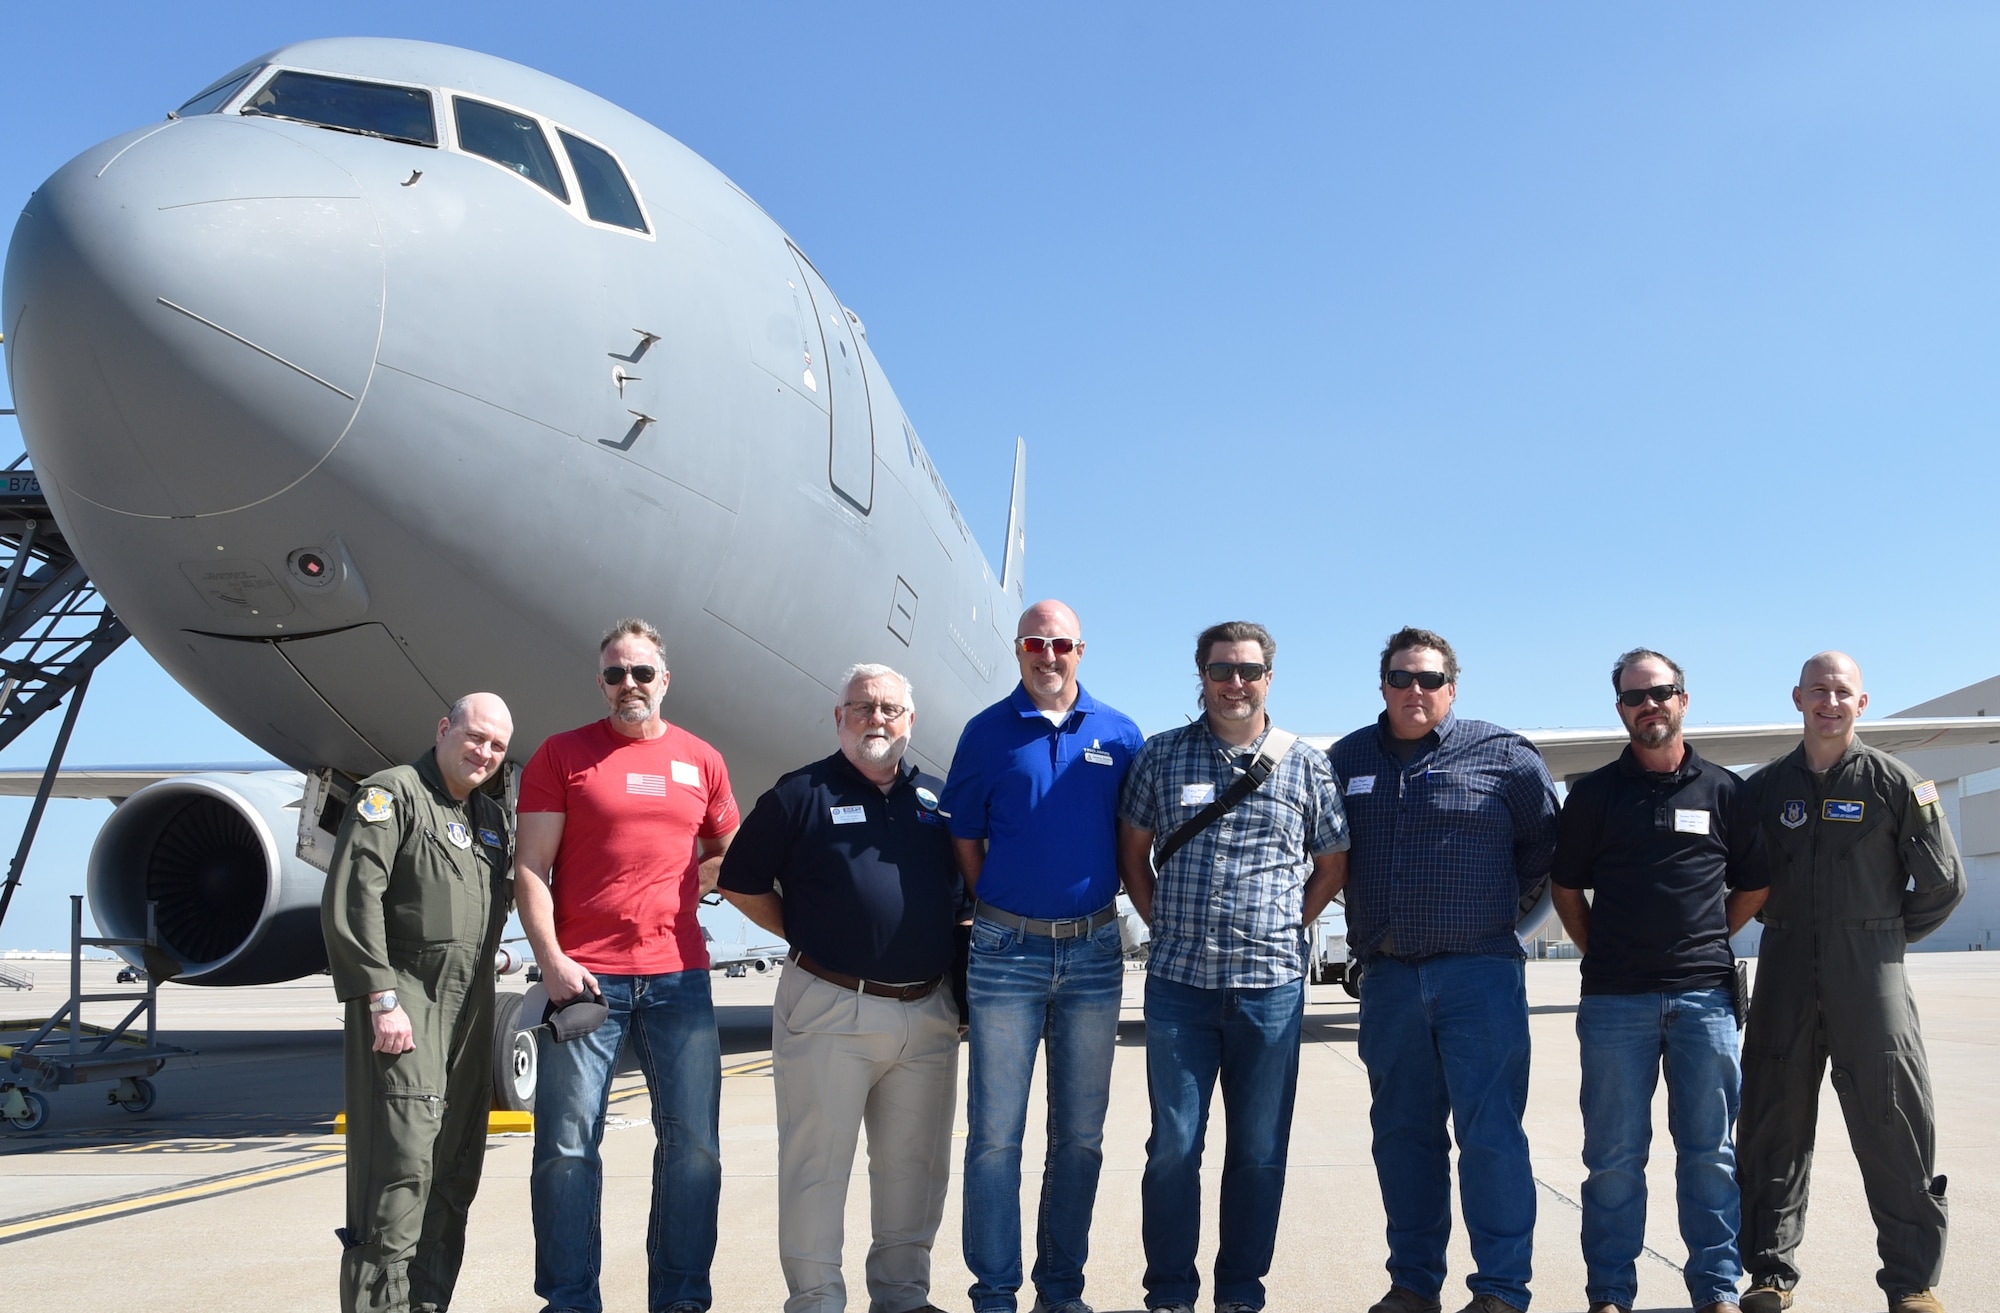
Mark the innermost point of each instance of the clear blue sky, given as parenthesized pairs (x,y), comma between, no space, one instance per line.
(1555,327)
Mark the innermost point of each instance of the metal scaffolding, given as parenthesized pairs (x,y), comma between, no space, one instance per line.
(55,629)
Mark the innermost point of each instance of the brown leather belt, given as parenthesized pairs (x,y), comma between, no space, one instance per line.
(901,993)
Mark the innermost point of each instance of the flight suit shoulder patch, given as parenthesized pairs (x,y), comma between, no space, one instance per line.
(1926,793)
(376,805)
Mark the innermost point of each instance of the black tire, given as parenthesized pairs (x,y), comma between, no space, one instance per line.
(36,1115)
(514,1058)
(1350,980)
(144,1095)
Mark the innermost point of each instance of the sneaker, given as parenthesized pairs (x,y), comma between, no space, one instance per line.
(1400,1299)
(1489,1304)
(1917,1301)
(1765,1298)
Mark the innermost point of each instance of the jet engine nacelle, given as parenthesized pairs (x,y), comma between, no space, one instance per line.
(217,855)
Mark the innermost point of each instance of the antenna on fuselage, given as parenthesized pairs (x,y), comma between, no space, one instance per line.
(1017,525)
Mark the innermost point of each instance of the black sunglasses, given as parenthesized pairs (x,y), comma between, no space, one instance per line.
(1428,680)
(615,675)
(1660,693)
(1248,671)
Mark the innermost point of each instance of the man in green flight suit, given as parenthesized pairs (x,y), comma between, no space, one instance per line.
(418,890)
(1861,864)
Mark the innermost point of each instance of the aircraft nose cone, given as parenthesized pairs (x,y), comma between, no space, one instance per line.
(192,313)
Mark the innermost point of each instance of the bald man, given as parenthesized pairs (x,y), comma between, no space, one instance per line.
(1861,863)
(1032,803)
(416,894)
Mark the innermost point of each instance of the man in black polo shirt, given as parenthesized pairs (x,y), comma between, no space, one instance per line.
(848,859)
(1655,834)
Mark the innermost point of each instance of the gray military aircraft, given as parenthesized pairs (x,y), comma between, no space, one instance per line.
(381,371)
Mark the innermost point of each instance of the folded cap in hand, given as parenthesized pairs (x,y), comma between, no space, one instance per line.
(566,1021)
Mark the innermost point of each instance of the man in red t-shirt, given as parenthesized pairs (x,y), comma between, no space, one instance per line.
(622,826)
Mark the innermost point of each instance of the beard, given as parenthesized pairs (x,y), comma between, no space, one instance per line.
(878,749)
(634,711)
(1656,732)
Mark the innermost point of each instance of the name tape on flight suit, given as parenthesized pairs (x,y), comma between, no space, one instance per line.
(1840,809)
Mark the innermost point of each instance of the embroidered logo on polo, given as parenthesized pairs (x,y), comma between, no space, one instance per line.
(456,832)
(1794,814)
(491,838)
(375,805)
(1837,809)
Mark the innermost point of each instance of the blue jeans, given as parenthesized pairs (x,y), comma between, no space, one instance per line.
(1624,1038)
(1447,1037)
(1251,1038)
(670,1021)
(1024,989)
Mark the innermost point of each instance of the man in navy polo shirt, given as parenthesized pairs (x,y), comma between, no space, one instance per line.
(1033,807)
(1658,837)
(849,860)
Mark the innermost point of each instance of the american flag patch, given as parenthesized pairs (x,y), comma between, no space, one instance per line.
(651,786)
(1927,793)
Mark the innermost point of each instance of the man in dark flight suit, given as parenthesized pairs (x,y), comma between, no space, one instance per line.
(1861,864)
(416,896)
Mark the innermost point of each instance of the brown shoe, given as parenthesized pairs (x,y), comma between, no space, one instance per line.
(1766,1299)
(1402,1300)
(1920,1301)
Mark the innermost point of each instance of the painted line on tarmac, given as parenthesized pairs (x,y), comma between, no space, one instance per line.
(150,1200)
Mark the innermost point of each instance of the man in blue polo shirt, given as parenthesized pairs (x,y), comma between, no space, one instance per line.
(1033,804)
(849,860)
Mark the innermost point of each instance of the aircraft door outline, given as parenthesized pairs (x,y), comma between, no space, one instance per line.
(851,428)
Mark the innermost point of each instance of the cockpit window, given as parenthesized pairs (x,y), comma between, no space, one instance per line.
(606,195)
(511,140)
(214,98)
(370,108)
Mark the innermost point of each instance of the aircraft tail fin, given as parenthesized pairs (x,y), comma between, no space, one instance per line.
(1017,526)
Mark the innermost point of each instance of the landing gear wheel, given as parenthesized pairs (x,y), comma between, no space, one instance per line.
(32,1111)
(515,1058)
(1351,980)
(136,1095)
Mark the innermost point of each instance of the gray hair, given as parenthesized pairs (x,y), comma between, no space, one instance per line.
(634,627)
(1638,654)
(870,670)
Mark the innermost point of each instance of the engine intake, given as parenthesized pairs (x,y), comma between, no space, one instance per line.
(216,854)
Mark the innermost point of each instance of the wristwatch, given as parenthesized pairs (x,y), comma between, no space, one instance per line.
(386,1003)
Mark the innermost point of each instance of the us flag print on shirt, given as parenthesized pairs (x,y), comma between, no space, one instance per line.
(651,786)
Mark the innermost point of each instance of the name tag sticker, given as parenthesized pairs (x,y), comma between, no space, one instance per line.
(1687,821)
(1359,785)
(1096,758)
(849,815)
(1836,809)
(687,773)
(1197,795)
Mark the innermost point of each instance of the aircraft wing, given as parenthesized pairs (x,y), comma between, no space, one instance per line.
(117,783)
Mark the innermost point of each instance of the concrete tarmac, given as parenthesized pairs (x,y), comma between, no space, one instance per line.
(226,1194)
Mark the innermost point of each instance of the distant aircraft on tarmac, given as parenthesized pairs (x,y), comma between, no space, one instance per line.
(382,371)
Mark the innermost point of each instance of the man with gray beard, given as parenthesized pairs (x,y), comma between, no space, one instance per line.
(850,861)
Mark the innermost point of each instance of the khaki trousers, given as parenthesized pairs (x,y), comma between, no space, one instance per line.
(841,1060)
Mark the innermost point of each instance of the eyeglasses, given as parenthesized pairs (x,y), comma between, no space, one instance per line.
(1036,644)
(615,675)
(1430,681)
(1660,693)
(1248,671)
(886,710)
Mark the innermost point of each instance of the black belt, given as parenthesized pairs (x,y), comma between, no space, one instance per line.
(1075,927)
(901,993)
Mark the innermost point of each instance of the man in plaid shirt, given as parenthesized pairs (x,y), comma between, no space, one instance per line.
(1225,984)
(1454,823)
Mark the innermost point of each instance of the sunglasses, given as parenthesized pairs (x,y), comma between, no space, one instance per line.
(1660,693)
(1248,671)
(1035,644)
(1430,681)
(615,675)
(886,710)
